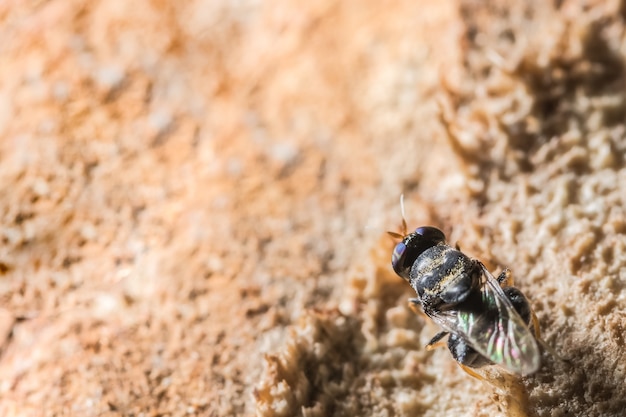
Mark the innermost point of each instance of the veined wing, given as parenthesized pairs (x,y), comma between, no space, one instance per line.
(494,329)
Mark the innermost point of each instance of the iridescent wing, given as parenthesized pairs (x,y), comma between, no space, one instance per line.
(494,329)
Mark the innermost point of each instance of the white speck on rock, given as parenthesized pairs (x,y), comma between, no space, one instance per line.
(285,153)
(160,120)
(110,77)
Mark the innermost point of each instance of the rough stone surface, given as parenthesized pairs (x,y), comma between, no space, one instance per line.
(194,199)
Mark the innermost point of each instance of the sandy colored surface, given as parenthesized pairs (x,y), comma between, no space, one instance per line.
(194,201)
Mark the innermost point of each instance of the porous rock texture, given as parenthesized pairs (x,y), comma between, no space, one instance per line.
(194,199)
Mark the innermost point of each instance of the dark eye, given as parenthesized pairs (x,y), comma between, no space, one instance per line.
(397,260)
(413,245)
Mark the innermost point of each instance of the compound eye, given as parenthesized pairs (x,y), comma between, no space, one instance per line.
(412,246)
(398,258)
(431,234)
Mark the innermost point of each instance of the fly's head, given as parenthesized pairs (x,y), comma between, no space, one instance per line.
(412,246)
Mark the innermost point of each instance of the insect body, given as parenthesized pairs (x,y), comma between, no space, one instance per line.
(487,322)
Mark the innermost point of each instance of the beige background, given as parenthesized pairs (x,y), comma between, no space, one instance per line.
(194,199)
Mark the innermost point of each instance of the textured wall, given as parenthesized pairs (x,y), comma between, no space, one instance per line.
(194,198)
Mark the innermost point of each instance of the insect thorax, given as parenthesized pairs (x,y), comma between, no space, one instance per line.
(443,277)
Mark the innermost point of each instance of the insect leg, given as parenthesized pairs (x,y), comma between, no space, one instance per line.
(506,277)
(436,341)
(416,305)
(471,372)
(536,325)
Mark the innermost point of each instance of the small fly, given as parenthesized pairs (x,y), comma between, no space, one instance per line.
(486,319)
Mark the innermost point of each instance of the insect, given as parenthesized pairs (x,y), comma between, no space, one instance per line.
(486,320)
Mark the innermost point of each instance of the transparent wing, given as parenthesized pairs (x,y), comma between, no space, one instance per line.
(494,329)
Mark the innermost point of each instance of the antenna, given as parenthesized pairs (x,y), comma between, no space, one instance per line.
(404,226)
